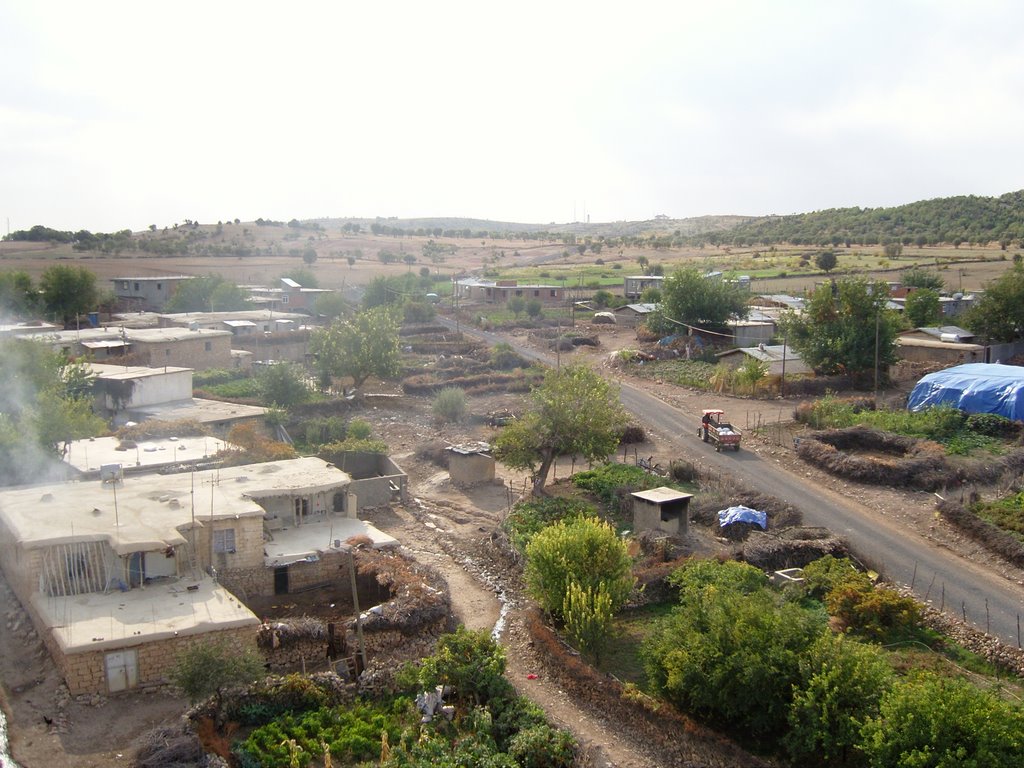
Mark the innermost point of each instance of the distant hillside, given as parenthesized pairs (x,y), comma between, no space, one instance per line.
(952,220)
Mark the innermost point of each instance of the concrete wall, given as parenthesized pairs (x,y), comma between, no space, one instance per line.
(143,391)
(188,352)
(647,517)
(373,475)
(470,469)
(149,295)
(291,346)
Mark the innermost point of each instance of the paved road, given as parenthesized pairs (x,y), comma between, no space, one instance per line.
(939,576)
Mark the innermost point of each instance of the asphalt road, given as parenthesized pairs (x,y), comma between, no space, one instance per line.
(946,580)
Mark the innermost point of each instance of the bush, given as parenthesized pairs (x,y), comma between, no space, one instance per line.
(606,480)
(472,663)
(877,613)
(358,429)
(827,573)
(543,747)
(449,405)
(584,550)
(529,517)
(587,612)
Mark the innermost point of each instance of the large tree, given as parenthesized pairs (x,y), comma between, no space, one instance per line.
(363,346)
(999,313)
(691,298)
(68,291)
(18,299)
(575,412)
(207,293)
(923,308)
(845,328)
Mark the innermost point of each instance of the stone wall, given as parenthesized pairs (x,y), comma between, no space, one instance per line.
(85,673)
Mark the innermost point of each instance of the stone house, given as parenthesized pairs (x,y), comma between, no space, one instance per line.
(118,574)
(147,293)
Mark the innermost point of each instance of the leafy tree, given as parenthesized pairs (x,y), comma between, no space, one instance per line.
(516,305)
(309,257)
(18,298)
(720,646)
(210,667)
(920,278)
(826,261)
(603,298)
(194,295)
(999,313)
(365,345)
(449,405)
(351,261)
(418,312)
(687,296)
(330,305)
(843,682)
(68,291)
(575,411)
(534,309)
(303,277)
(923,309)
(651,295)
(283,385)
(227,297)
(469,661)
(583,552)
(935,722)
(837,332)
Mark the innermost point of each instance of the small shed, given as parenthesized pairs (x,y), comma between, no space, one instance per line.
(471,463)
(661,509)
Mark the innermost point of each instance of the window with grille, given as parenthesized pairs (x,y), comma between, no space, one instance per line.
(224,541)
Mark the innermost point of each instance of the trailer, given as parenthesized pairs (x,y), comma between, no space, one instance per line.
(715,429)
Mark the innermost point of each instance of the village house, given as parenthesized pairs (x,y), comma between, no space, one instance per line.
(943,345)
(147,293)
(632,315)
(773,355)
(500,291)
(289,296)
(199,349)
(119,574)
(634,285)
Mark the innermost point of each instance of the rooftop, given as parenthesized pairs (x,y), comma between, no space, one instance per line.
(122,372)
(662,494)
(254,315)
(87,336)
(309,540)
(198,409)
(93,621)
(144,512)
(89,455)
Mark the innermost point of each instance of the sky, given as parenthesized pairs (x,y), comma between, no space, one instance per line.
(118,115)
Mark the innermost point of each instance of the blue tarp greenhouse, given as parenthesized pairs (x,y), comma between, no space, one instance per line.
(974,388)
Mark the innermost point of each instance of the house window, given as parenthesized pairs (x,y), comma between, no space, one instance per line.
(519,293)
(124,285)
(224,540)
(536,293)
(284,299)
(136,286)
(301,510)
(167,352)
(208,345)
(553,294)
(159,286)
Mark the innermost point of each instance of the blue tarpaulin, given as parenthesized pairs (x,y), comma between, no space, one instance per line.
(974,388)
(742,514)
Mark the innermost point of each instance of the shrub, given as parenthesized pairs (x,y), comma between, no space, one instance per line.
(504,357)
(991,424)
(359,429)
(529,517)
(876,613)
(606,480)
(472,663)
(584,550)
(587,612)
(449,405)
(543,747)
(827,573)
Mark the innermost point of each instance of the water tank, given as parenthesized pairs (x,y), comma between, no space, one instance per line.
(952,338)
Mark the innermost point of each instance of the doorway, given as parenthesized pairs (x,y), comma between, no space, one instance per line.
(281,580)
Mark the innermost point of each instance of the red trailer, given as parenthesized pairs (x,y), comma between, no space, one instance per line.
(715,429)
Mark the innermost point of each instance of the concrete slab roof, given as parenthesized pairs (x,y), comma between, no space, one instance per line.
(255,315)
(144,512)
(96,621)
(662,495)
(133,335)
(198,409)
(121,372)
(89,455)
(308,541)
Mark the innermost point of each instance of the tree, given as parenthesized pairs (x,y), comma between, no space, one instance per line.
(582,553)
(603,298)
(999,313)
(516,305)
(838,331)
(208,668)
(449,405)
(923,309)
(283,385)
(363,346)
(227,297)
(843,682)
(309,256)
(303,277)
(574,412)
(721,645)
(826,261)
(687,296)
(351,261)
(193,295)
(940,722)
(18,298)
(920,278)
(588,615)
(68,291)
(534,309)
(643,261)
(330,305)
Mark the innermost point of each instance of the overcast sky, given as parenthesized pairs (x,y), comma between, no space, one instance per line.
(119,115)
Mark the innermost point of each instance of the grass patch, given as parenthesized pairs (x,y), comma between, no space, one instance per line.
(1006,513)
(621,654)
(683,373)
